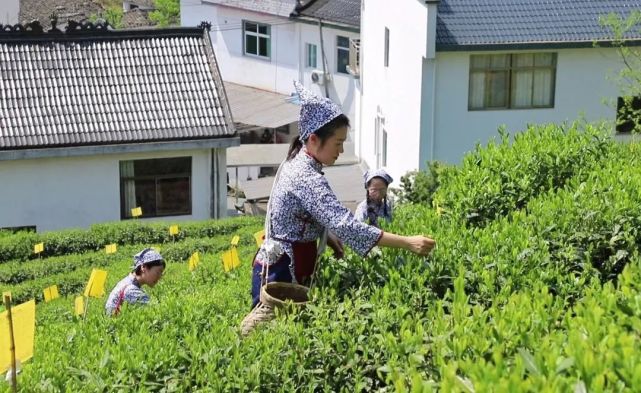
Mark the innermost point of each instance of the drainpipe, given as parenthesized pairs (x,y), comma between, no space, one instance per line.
(432,9)
(326,79)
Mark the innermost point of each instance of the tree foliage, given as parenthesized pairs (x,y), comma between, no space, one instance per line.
(624,29)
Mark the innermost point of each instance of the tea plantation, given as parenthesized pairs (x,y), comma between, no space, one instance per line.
(535,286)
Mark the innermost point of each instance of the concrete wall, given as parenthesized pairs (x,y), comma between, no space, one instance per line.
(54,193)
(584,85)
(395,91)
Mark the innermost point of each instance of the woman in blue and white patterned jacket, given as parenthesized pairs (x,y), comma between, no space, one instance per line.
(147,269)
(376,204)
(303,205)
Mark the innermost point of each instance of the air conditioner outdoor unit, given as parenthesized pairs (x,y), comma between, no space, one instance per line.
(319,77)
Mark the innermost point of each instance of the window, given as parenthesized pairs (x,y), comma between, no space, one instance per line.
(342,54)
(310,56)
(386,47)
(380,140)
(628,114)
(161,187)
(257,39)
(512,81)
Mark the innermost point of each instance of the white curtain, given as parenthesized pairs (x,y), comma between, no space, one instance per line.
(542,83)
(477,90)
(129,185)
(522,88)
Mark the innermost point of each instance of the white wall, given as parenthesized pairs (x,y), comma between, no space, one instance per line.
(396,89)
(10,12)
(583,81)
(287,63)
(342,88)
(54,193)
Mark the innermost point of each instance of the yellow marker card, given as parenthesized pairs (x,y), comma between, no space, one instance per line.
(111,248)
(230,259)
(7,293)
(194,260)
(51,293)
(136,212)
(96,284)
(79,305)
(173,230)
(259,236)
(38,248)
(235,240)
(24,328)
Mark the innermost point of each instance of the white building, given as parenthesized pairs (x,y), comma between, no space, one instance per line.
(267,45)
(438,77)
(96,123)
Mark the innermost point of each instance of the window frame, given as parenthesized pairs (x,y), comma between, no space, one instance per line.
(125,213)
(257,34)
(308,46)
(346,50)
(510,69)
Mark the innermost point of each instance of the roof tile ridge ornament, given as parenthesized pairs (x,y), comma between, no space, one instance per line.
(32,28)
(54,21)
(205,25)
(74,27)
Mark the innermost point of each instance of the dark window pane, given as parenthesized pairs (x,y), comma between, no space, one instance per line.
(173,196)
(499,61)
(480,61)
(146,197)
(342,61)
(263,29)
(342,42)
(251,45)
(162,166)
(157,186)
(544,59)
(250,27)
(497,83)
(263,46)
(523,60)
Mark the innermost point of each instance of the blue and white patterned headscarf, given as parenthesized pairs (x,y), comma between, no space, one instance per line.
(147,255)
(315,111)
(369,175)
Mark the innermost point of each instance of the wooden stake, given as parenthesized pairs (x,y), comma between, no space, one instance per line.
(14,380)
(84,314)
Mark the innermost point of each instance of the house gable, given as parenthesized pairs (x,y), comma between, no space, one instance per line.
(92,86)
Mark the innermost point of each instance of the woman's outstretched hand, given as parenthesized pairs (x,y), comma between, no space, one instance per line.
(421,245)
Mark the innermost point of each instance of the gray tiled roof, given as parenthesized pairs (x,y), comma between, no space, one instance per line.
(271,7)
(463,23)
(341,11)
(110,87)
(78,10)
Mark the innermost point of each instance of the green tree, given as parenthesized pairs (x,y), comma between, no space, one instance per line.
(112,15)
(624,29)
(167,13)
(420,186)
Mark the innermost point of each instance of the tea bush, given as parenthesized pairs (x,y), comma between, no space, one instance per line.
(534,287)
